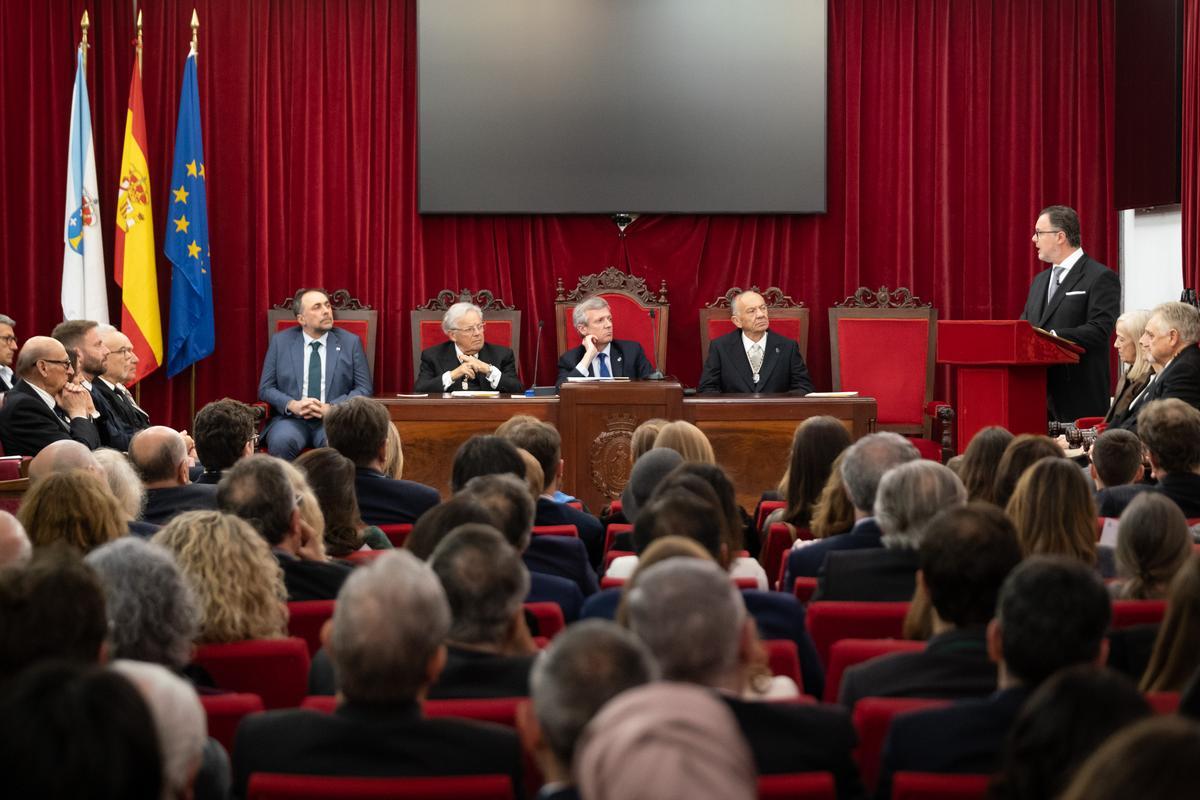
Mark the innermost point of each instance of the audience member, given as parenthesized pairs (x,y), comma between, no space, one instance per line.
(120,367)
(387,647)
(436,523)
(647,473)
(1169,342)
(8,350)
(126,486)
(966,555)
(60,456)
(1177,647)
(1022,453)
(979,460)
(393,459)
(686,439)
(515,421)
(1170,431)
(1135,368)
(73,507)
(358,429)
(833,512)
(818,441)
(1155,759)
(160,456)
(484,455)
(1054,514)
(1153,544)
(658,551)
(1116,466)
(642,441)
(45,406)
(224,434)
(332,479)
(15,547)
(87,353)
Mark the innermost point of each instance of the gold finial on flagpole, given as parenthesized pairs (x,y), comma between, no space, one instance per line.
(139,42)
(84,25)
(195,32)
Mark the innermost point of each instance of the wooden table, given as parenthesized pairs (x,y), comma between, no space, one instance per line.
(751,435)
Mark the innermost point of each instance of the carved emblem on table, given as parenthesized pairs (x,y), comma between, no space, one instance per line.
(609,456)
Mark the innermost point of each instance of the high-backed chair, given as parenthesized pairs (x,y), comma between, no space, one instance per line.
(797,786)
(225,711)
(884,345)
(638,313)
(348,313)
(501,322)
(832,620)
(872,719)
(788,318)
(274,669)
(846,653)
(306,618)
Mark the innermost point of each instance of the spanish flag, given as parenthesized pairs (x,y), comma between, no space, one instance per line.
(134,268)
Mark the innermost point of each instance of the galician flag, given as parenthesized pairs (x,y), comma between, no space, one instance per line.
(133,255)
(84,295)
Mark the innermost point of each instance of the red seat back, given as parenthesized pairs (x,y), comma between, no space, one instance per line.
(872,719)
(1126,613)
(614,530)
(225,711)
(804,588)
(397,532)
(845,653)
(898,383)
(555,530)
(797,786)
(783,659)
(611,583)
(306,618)
(613,555)
(777,544)
(274,669)
(938,786)
(1163,702)
(10,467)
(829,621)
(271,786)
(500,710)
(549,618)
(363,556)
(764,510)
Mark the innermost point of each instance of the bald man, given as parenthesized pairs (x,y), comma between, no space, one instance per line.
(160,456)
(122,416)
(753,359)
(45,406)
(61,456)
(15,548)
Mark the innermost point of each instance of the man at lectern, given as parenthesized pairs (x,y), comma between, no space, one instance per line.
(466,361)
(1078,298)
(600,355)
(753,359)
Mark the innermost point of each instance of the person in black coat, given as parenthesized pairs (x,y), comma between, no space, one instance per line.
(1170,432)
(160,456)
(1078,299)
(45,406)
(1170,342)
(8,351)
(466,361)
(600,355)
(732,358)
(121,416)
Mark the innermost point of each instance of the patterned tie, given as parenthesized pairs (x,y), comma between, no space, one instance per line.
(314,371)
(756,358)
(129,401)
(604,373)
(1055,280)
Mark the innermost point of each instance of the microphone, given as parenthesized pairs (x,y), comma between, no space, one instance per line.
(657,374)
(537,356)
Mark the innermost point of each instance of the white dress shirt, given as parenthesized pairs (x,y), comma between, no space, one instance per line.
(493,376)
(587,371)
(308,340)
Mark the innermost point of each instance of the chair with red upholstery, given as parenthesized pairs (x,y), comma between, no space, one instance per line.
(784,659)
(777,544)
(270,786)
(556,530)
(10,467)
(831,620)
(397,532)
(883,344)
(348,313)
(872,719)
(306,618)
(1164,702)
(274,669)
(11,494)
(788,319)
(501,322)
(846,653)
(225,711)
(359,557)
(803,587)
(797,786)
(1127,613)
(764,510)
(938,786)
(549,618)
(614,530)
(611,583)
(631,304)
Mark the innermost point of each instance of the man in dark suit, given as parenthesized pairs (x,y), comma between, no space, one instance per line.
(386,644)
(966,554)
(121,416)
(160,456)
(1078,299)
(1169,341)
(600,355)
(466,361)
(308,370)
(753,359)
(358,429)
(45,405)
(714,648)
(1170,431)
(1052,613)
(8,352)
(1116,468)
(224,435)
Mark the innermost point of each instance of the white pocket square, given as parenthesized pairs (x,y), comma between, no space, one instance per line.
(1079,292)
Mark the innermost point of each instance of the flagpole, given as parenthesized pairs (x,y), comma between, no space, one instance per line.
(195,52)
(83,43)
(139,43)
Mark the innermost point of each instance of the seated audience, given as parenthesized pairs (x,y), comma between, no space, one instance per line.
(387,647)
(647,473)
(696,626)
(1169,342)
(1116,467)
(1170,431)
(332,478)
(224,434)
(1052,613)
(643,438)
(358,429)
(1021,453)
(1153,544)
(1155,759)
(126,486)
(1177,647)
(966,555)
(1054,514)
(1134,367)
(61,456)
(75,508)
(818,441)
(160,456)
(484,455)
(15,548)
(436,523)
(979,460)
(833,512)
(686,439)
(238,586)
(907,499)
(45,406)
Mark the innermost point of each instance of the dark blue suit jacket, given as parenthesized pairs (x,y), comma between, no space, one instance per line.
(27,424)
(346,373)
(807,561)
(589,528)
(1179,379)
(388,501)
(564,556)
(628,361)
(727,369)
(119,420)
(556,589)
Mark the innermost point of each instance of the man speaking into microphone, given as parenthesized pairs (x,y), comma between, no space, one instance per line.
(466,361)
(600,355)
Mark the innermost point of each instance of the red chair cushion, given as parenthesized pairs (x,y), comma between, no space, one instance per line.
(938,786)
(1126,613)
(225,711)
(897,382)
(358,327)
(764,510)
(778,542)
(847,653)
(306,618)
(271,786)
(631,320)
(829,621)
(549,618)
(783,659)
(495,331)
(614,530)
(274,669)
(872,718)
(803,587)
(397,532)
(10,468)
(555,530)
(797,786)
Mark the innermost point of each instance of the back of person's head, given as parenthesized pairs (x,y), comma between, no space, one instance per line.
(123,481)
(544,443)
(74,508)
(642,441)
(393,455)
(1170,429)
(71,730)
(696,477)
(816,443)
(485,582)
(1022,452)
(15,547)
(1054,511)
(686,439)
(514,421)
(330,475)
(1052,613)
(52,608)
(508,500)
(1117,456)
(1153,544)
(1154,759)
(485,455)
(833,513)
(157,453)
(389,622)
(665,740)
(659,550)
(258,490)
(221,430)
(436,523)
(1177,648)
(60,456)
(178,720)
(979,460)
(1060,725)
(867,460)
(357,428)
(690,615)
(647,473)
(910,495)
(534,476)
(679,512)
(965,557)
(588,664)
(151,606)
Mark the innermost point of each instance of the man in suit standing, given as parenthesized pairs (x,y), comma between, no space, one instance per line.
(45,405)
(1078,298)
(1169,342)
(600,355)
(466,361)
(753,359)
(8,351)
(307,370)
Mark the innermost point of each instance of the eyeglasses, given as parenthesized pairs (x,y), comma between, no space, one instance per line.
(472,329)
(64,364)
(124,351)
(8,339)
(1037,233)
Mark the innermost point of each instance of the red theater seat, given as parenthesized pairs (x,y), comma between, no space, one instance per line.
(797,786)
(631,304)
(1127,613)
(829,621)
(764,510)
(846,653)
(549,617)
(937,786)
(783,659)
(614,530)
(306,618)
(225,711)
(872,718)
(271,786)
(775,547)
(397,533)
(274,669)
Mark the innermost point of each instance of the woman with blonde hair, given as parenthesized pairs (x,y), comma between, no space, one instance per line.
(1177,648)
(1053,512)
(1135,370)
(833,513)
(311,515)
(1153,544)
(643,438)
(393,457)
(237,581)
(687,440)
(123,480)
(75,508)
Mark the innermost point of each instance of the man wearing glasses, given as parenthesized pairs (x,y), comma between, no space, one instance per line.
(8,351)
(45,406)
(123,417)
(1079,299)
(466,361)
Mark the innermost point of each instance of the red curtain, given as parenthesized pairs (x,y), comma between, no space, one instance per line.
(951,123)
(1190,177)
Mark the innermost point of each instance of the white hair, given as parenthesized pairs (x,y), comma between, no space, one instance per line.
(737,300)
(123,480)
(456,312)
(1181,317)
(910,495)
(593,303)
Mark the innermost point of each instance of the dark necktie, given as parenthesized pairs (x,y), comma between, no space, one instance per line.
(314,371)
(604,373)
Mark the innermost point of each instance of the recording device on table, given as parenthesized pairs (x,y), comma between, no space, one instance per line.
(1076,437)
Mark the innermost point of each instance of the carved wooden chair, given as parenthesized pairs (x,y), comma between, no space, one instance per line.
(348,313)
(883,345)
(639,314)
(501,322)
(788,318)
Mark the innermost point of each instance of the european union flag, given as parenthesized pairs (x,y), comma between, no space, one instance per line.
(191,336)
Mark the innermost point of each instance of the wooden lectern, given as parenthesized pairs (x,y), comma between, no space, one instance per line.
(998,371)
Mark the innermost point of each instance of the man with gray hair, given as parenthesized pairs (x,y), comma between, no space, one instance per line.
(694,622)
(600,355)
(466,361)
(1169,342)
(909,496)
(387,648)
(45,405)
(753,359)
(8,351)
(123,416)
(160,456)
(863,466)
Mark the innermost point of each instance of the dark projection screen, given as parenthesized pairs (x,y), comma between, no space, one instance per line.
(599,106)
